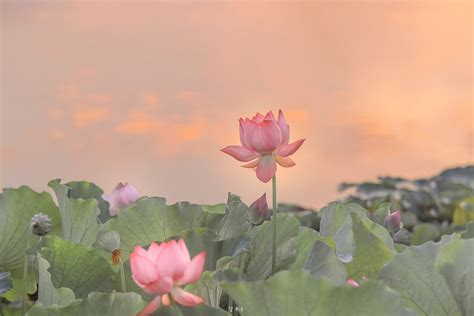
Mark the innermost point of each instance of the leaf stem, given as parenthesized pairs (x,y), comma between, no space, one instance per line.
(122,276)
(25,270)
(274,220)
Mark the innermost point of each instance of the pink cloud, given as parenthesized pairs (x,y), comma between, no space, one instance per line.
(55,113)
(90,116)
(56,134)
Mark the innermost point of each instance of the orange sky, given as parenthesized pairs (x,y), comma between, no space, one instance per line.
(149,92)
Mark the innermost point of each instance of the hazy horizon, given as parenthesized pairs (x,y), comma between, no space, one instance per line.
(149,92)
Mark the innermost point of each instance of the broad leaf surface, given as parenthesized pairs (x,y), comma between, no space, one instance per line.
(413,274)
(76,267)
(78,216)
(455,263)
(260,262)
(103,304)
(297,293)
(47,294)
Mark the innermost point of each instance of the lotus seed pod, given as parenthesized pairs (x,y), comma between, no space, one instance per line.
(41,224)
(109,241)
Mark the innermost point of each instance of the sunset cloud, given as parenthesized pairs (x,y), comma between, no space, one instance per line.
(141,124)
(374,87)
(55,113)
(56,134)
(90,116)
(150,100)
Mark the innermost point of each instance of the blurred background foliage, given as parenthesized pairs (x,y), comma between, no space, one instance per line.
(430,207)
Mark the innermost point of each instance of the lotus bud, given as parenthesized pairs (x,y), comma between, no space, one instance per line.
(258,211)
(121,197)
(40,224)
(393,222)
(352,282)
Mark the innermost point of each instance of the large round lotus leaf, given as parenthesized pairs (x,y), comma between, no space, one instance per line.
(17,207)
(78,216)
(103,304)
(76,267)
(413,274)
(455,263)
(424,232)
(260,261)
(89,190)
(297,293)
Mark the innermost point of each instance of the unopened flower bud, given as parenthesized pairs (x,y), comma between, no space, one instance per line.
(121,197)
(393,222)
(40,224)
(352,282)
(258,211)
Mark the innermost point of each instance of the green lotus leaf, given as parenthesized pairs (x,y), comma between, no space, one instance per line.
(298,293)
(78,216)
(17,207)
(304,244)
(47,294)
(469,232)
(413,274)
(322,263)
(89,190)
(424,232)
(363,245)
(150,219)
(103,304)
(76,267)
(374,248)
(336,222)
(260,260)
(199,310)
(455,263)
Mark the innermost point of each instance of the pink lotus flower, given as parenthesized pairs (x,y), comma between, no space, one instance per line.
(265,142)
(258,211)
(393,222)
(162,269)
(121,197)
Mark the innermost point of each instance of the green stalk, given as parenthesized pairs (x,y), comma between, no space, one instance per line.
(274,220)
(25,271)
(122,276)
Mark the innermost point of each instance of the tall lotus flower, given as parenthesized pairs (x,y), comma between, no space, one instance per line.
(265,142)
(163,269)
(258,211)
(122,196)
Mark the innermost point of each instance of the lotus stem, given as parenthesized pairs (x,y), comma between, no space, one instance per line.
(122,276)
(25,270)
(274,220)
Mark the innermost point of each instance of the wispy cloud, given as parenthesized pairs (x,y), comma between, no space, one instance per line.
(90,116)
(57,134)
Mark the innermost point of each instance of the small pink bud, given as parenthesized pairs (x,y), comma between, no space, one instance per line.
(393,222)
(352,283)
(258,211)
